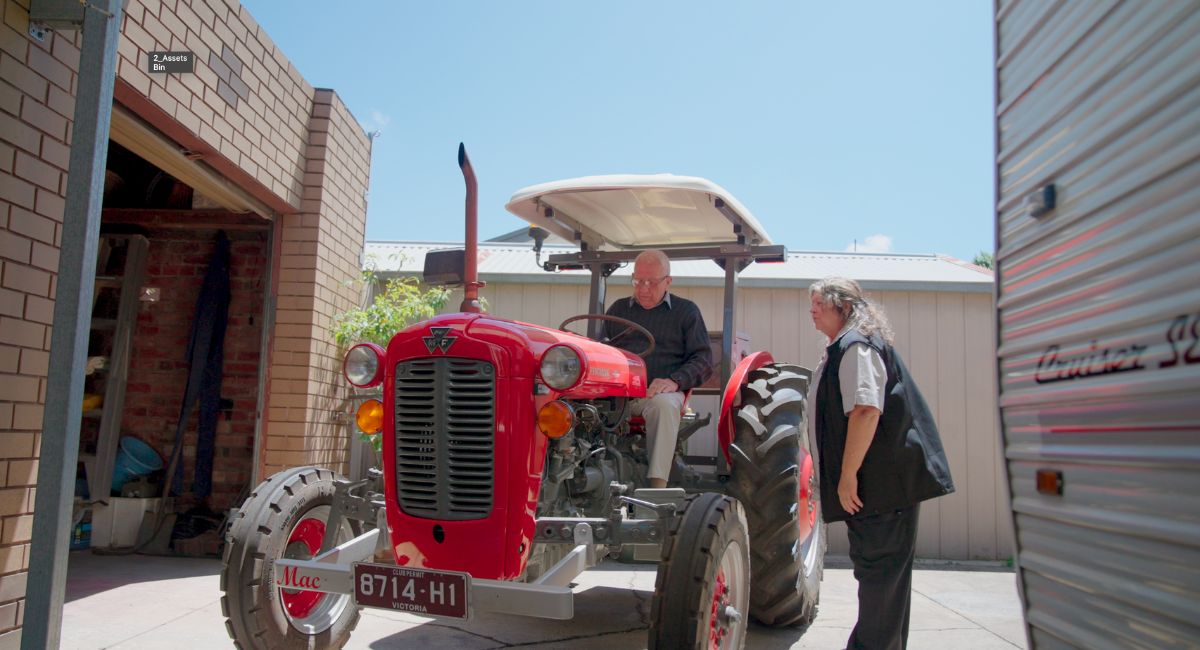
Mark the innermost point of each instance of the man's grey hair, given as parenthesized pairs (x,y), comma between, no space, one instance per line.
(659,257)
(861,314)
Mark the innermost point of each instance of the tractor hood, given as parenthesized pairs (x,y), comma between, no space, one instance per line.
(464,456)
(628,211)
(515,349)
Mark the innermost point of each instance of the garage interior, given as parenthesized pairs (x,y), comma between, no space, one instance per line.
(159,236)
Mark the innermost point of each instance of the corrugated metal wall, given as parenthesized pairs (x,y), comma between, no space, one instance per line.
(1099,316)
(945,337)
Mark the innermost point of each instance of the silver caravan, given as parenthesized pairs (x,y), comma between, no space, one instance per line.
(1098,307)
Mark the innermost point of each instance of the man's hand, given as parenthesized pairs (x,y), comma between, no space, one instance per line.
(848,493)
(661,386)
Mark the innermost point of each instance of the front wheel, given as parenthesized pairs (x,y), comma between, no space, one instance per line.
(702,591)
(285,517)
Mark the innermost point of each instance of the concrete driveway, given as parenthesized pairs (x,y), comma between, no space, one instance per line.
(130,602)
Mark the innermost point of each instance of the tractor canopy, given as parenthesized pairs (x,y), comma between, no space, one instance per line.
(636,212)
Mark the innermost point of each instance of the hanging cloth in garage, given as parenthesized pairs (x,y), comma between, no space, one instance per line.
(205,355)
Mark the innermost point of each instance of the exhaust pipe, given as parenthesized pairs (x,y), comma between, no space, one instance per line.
(471,283)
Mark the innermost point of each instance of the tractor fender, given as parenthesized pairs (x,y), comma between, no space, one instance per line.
(732,390)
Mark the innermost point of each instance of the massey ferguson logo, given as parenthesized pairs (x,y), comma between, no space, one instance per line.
(439,341)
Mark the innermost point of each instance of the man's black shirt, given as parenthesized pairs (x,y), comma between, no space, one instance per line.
(681,351)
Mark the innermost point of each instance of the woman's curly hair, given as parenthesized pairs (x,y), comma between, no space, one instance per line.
(861,314)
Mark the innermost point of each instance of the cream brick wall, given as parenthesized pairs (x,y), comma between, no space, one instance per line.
(322,247)
(249,114)
(37,85)
(246,103)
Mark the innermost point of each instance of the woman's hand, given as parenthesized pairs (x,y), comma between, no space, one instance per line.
(848,493)
(859,433)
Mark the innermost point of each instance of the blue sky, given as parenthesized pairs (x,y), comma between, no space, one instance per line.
(832,122)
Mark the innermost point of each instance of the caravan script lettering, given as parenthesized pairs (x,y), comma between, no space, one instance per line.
(1183,339)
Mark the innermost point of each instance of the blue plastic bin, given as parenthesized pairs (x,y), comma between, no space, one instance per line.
(134,458)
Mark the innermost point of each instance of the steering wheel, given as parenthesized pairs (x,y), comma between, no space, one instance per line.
(630,326)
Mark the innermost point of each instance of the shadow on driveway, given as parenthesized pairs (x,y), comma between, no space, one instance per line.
(90,573)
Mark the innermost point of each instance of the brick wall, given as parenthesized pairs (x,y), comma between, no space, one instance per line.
(246,104)
(321,252)
(249,114)
(37,84)
(177,260)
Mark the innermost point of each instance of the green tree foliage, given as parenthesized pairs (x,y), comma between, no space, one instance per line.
(401,303)
(984,259)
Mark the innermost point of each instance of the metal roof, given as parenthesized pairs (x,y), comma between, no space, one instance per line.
(508,263)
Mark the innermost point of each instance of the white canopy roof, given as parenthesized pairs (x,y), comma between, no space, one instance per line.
(631,211)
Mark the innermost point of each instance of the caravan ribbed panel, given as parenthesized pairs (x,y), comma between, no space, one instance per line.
(1099,316)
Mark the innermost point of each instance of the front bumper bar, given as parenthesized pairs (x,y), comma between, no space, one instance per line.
(550,596)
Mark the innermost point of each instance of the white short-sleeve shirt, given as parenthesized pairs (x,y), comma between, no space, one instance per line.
(863,378)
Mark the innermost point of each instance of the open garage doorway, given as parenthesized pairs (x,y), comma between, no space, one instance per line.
(172,262)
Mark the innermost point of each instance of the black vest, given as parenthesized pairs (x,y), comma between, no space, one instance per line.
(905,463)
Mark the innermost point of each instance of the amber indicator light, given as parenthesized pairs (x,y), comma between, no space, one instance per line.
(1049,481)
(370,416)
(555,419)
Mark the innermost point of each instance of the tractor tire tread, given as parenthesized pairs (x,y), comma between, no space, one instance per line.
(257,519)
(682,575)
(768,436)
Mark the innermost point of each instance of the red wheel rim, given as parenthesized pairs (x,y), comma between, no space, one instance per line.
(309,533)
(716,631)
(806,497)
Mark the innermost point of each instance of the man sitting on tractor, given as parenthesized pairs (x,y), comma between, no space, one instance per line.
(681,359)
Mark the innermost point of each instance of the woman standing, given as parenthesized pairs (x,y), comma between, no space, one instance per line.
(880,455)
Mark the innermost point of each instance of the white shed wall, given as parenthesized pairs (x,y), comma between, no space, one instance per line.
(946,339)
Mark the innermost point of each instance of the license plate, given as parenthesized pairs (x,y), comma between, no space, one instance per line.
(419,591)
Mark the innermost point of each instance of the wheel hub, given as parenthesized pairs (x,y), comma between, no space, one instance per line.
(724,616)
(812,499)
(303,544)
(806,494)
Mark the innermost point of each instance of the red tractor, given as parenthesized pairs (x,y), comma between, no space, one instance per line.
(511,463)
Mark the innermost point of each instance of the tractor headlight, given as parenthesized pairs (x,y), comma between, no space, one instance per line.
(561,367)
(364,365)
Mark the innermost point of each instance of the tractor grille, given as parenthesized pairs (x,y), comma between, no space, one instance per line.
(445,419)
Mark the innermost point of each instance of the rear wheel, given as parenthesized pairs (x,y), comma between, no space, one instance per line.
(285,517)
(702,590)
(775,477)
